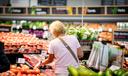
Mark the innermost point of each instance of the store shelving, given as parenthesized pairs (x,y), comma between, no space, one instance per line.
(66,18)
(97,14)
(66,13)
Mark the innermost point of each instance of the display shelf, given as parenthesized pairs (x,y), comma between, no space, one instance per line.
(90,18)
(65,13)
(125,30)
(78,8)
(22,43)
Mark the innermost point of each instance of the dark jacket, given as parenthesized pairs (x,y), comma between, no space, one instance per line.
(4,62)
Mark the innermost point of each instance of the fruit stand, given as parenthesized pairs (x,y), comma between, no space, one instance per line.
(84,71)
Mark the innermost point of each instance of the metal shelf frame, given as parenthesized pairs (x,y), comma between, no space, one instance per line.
(67,18)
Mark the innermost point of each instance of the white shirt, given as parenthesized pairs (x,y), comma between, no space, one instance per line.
(63,57)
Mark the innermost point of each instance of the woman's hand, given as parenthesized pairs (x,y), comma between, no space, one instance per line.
(47,61)
(38,65)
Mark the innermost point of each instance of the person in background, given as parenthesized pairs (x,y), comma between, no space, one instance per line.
(4,62)
(59,53)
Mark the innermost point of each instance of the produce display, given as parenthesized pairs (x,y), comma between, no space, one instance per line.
(22,43)
(109,26)
(36,28)
(84,71)
(106,36)
(104,26)
(90,31)
(7,23)
(28,43)
(36,24)
(93,25)
(105,29)
(81,71)
(82,33)
(24,70)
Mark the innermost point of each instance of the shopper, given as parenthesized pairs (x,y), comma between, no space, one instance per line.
(4,62)
(59,53)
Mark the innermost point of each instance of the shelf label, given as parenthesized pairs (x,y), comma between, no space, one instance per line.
(60,8)
(16,10)
(21,60)
(97,10)
(5,29)
(121,35)
(117,10)
(59,11)
(38,32)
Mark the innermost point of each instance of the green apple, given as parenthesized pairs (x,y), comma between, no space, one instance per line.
(108,72)
(73,71)
(125,74)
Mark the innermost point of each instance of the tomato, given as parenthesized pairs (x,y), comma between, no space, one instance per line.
(19,74)
(42,74)
(29,74)
(37,71)
(12,66)
(24,75)
(14,70)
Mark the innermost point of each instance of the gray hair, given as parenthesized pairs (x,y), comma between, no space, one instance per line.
(57,28)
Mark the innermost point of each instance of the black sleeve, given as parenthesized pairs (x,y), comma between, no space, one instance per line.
(4,62)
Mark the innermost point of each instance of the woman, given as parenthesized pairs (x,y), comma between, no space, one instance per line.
(58,52)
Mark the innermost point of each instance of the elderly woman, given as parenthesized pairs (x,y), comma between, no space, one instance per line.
(58,52)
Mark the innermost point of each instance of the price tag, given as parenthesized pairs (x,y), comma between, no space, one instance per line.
(114,67)
(126,58)
(5,28)
(121,35)
(21,60)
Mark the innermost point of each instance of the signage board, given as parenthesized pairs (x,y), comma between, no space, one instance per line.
(117,10)
(95,10)
(5,28)
(121,35)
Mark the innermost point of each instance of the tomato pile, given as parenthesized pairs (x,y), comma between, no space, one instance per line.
(24,70)
(23,43)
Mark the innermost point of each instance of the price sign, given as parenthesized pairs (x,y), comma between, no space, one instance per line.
(5,29)
(95,10)
(59,11)
(16,10)
(121,35)
(21,60)
(117,10)
(38,32)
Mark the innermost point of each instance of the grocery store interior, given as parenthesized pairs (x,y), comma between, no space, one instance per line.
(101,27)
